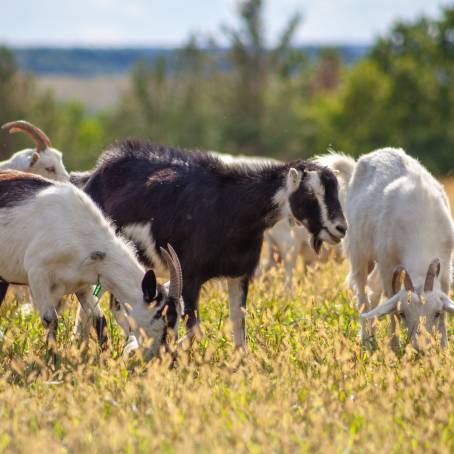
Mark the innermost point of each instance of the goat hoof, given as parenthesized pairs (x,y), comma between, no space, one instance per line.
(241,349)
(26,310)
(131,346)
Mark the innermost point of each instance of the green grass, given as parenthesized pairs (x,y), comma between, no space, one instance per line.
(304,385)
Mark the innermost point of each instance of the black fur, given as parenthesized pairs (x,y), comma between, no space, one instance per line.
(16,187)
(213,214)
(149,285)
(100,325)
(3,290)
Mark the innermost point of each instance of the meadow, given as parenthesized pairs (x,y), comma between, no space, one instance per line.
(304,384)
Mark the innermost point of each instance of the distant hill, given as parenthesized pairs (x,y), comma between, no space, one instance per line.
(90,62)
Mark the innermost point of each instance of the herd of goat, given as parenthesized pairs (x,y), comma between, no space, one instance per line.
(146,209)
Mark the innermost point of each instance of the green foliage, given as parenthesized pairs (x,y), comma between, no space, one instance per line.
(402,95)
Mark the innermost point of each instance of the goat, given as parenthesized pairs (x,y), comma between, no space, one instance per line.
(288,242)
(56,240)
(399,227)
(47,162)
(42,160)
(213,214)
(285,239)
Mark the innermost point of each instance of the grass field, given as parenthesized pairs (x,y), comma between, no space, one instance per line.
(304,385)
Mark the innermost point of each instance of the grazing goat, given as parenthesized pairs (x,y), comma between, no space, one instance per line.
(400,222)
(55,240)
(214,214)
(42,160)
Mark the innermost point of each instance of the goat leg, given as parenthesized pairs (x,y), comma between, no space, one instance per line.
(3,290)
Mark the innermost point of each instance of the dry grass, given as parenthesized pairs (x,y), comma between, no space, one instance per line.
(304,384)
(97,93)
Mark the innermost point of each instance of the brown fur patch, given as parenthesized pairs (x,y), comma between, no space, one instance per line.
(18,175)
(161,176)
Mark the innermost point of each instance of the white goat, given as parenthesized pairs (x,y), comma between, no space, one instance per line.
(42,160)
(400,223)
(56,240)
(291,241)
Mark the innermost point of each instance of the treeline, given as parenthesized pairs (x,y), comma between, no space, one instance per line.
(272,101)
(89,62)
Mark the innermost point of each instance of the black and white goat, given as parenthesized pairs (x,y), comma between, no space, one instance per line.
(285,241)
(42,160)
(213,214)
(400,222)
(54,239)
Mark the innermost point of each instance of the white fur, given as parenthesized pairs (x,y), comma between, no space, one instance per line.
(141,235)
(397,214)
(48,241)
(237,312)
(289,242)
(42,163)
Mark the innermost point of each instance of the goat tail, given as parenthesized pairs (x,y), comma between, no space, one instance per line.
(79,179)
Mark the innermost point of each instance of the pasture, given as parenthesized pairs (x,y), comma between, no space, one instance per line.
(304,385)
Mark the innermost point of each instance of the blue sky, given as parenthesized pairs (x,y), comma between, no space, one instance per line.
(168,22)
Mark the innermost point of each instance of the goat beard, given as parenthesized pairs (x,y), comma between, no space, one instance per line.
(316,244)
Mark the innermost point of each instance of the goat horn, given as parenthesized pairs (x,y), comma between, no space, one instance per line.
(39,137)
(176,275)
(397,276)
(432,272)
(176,260)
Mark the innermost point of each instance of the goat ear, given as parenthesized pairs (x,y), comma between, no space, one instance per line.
(149,286)
(97,255)
(382,309)
(293,179)
(33,158)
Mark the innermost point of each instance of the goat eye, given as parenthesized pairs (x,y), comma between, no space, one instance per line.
(50,169)
(402,315)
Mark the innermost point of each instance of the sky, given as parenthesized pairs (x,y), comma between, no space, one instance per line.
(120,23)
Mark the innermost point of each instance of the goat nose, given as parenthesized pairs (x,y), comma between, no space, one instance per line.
(341,229)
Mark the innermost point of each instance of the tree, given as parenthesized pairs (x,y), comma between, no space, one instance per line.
(401,95)
(253,64)
(15,91)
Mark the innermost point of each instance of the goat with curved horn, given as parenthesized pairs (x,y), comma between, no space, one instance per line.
(176,275)
(397,276)
(39,137)
(432,272)
(43,160)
